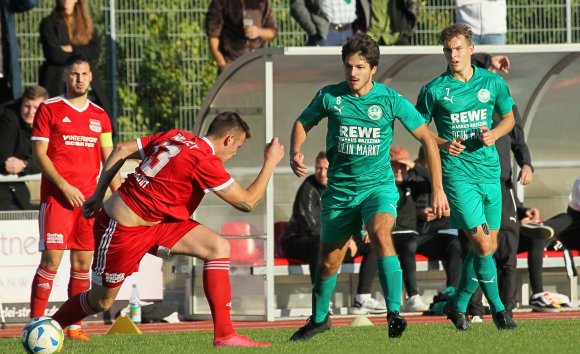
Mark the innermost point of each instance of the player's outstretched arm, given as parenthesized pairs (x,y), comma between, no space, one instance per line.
(116,160)
(247,199)
(298,137)
(116,182)
(425,136)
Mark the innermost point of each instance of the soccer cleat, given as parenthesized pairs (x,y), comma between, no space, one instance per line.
(537,230)
(77,334)
(542,302)
(311,328)
(239,341)
(397,324)
(459,319)
(415,304)
(366,306)
(503,320)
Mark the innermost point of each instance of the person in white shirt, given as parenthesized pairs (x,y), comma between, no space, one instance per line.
(487,19)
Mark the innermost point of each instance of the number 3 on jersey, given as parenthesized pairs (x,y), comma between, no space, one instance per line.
(160,157)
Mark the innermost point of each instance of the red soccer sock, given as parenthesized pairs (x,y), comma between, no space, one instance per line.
(79,282)
(216,285)
(41,288)
(74,310)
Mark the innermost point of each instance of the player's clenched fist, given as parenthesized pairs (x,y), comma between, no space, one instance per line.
(274,151)
(487,137)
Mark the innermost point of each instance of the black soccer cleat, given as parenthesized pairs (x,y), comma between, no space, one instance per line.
(459,319)
(397,324)
(311,328)
(503,320)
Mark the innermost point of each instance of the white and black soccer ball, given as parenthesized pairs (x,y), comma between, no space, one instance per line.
(42,335)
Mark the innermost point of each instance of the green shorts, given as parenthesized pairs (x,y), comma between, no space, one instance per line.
(474,204)
(343,215)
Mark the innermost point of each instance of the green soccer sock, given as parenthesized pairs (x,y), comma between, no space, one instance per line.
(321,293)
(467,282)
(486,271)
(391,278)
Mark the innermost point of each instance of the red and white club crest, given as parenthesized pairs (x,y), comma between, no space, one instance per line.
(95,125)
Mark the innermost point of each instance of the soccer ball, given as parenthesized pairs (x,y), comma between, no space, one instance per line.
(42,335)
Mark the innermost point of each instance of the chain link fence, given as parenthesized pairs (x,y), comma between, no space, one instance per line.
(162,68)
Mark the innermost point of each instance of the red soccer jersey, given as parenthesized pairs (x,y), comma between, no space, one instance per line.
(73,143)
(177,169)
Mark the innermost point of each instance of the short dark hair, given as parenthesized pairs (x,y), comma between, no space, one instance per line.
(227,123)
(455,30)
(365,45)
(321,155)
(34,92)
(76,59)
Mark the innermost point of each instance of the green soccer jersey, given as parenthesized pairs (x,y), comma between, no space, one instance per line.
(360,132)
(459,110)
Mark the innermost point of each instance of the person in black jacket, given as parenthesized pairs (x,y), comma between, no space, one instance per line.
(507,248)
(10,81)
(414,183)
(302,238)
(67,31)
(16,147)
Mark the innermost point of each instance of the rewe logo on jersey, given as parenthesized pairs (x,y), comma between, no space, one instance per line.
(469,116)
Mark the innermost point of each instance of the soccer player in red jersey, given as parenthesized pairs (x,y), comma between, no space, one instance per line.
(153,206)
(71,136)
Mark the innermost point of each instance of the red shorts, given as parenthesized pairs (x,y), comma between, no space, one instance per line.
(63,228)
(119,249)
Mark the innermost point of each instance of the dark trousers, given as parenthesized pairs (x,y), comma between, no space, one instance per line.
(434,246)
(504,256)
(334,38)
(308,248)
(567,227)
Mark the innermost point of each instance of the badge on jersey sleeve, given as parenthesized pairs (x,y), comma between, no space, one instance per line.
(95,125)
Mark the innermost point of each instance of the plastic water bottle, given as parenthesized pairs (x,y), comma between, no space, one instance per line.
(135,305)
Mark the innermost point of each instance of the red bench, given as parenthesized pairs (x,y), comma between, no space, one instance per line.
(553,260)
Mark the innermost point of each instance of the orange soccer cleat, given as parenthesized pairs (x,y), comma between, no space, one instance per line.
(239,341)
(77,334)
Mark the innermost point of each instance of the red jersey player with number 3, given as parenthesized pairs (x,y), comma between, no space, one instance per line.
(153,206)
(71,136)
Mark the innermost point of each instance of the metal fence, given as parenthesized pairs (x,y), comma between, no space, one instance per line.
(127,30)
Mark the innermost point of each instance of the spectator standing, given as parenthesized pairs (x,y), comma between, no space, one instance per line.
(331,22)
(361,188)
(236,27)
(393,22)
(70,138)
(153,208)
(16,148)
(471,167)
(486,18)
(68,31)
(302,238)
(10,79)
